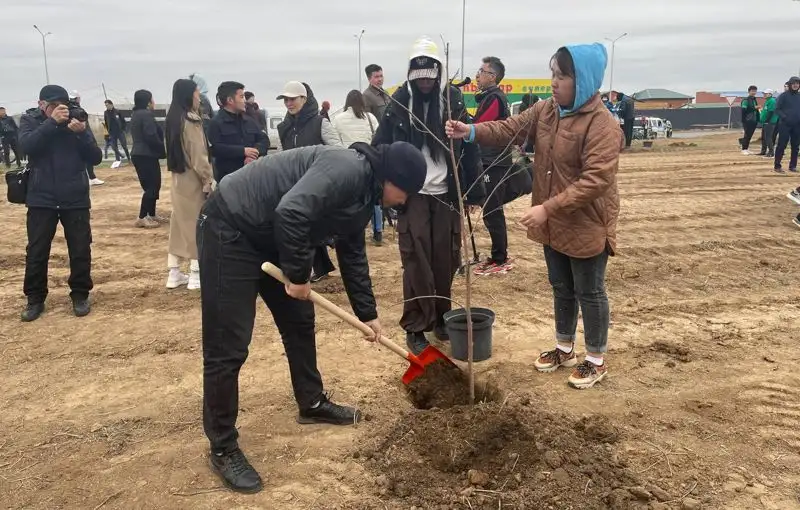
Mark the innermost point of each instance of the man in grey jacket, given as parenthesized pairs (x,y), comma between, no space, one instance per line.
(374,97)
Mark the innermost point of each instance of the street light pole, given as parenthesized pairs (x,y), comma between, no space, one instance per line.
(360,72)
(463,30)
(613,47)
(44,49)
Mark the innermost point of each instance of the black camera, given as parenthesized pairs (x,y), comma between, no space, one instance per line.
(76,112)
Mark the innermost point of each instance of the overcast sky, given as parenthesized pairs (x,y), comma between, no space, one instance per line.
(683,45)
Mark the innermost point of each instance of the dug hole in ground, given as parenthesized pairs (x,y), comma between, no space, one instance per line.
(699,410)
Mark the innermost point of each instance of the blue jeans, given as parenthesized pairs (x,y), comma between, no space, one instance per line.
(377,220)
(579,282)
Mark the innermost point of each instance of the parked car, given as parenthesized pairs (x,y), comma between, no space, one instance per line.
(275,118)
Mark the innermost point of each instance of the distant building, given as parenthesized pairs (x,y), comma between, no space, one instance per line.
(653,99)
(704,97)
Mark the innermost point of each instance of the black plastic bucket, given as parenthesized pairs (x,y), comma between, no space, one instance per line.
(456,323)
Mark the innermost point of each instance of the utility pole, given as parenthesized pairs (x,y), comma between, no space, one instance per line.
(44,49)
(360,71)
(104,90)
(613,47)
(463,31)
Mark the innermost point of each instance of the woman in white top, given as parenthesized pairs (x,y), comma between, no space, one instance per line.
(356,124)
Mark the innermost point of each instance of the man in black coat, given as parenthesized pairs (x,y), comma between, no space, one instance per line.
(8,138)
(115,124)
(627,113)
(429,228)
(59,148)
(278,209)
(235,138)
(788,110)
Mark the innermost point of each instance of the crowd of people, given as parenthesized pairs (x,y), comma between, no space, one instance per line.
(780,128)
(234,207)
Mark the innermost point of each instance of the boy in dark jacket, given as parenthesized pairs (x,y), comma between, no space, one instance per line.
(429,228)
(58,149)
(115,123)
(750,116)
(235,139)
(279,209)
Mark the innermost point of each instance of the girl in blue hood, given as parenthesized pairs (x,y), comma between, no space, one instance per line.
(575,200)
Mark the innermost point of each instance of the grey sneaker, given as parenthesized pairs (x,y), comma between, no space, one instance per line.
(794,196)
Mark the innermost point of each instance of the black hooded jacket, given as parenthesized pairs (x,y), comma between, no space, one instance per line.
(288,203)
(395,126)
(788,107)
(8,128)
(57,158)
(303,129)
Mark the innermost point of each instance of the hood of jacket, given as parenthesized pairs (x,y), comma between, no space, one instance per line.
(309,110)
(590,62)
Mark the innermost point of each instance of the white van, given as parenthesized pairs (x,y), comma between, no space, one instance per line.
(275,118)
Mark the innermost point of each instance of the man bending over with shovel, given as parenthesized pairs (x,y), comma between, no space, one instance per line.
(278,209)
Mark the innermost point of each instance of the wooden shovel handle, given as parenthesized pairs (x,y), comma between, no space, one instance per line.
(275,272)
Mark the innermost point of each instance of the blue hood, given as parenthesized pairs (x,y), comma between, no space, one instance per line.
(590,67)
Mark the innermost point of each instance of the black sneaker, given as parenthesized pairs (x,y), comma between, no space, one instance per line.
(81,307)
(328,412)
(236,472)
(762,153)
(32,312)
(793,170)
(416,342)
(377,238)
(441,334)
(779,170)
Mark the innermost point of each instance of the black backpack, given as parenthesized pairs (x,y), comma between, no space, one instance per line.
(17,183)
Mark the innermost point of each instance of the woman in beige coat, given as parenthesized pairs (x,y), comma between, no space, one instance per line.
(188,161)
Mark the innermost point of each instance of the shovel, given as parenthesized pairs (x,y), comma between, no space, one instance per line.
(417,363)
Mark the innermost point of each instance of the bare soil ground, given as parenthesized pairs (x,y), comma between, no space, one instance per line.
(701,408)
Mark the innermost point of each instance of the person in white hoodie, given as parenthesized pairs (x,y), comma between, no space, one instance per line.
(356,124)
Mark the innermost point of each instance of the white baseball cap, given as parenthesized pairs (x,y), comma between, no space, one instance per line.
(292,90)
(74,94)
(769,91)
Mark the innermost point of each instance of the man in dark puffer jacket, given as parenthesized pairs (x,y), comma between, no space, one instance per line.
(58,149)
(279,208)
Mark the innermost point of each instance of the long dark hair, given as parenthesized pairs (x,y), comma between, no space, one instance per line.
(141,99)
(355,102)
(434,120)
(182,103)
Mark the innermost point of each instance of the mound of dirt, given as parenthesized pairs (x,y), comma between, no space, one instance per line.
(509,456)
(444,385)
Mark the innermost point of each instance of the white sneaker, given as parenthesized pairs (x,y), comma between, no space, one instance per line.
(747,152)
(176,279)
(194,281)
(96,182)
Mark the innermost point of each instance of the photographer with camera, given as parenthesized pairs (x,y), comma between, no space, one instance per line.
(59,148)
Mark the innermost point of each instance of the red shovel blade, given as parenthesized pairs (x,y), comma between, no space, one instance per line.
(425,358)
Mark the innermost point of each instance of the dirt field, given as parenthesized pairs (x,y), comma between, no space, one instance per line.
(702,398)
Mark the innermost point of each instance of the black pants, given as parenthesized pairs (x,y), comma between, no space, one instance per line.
(149,172)
(10,144)
(749,129)
(767,137)
(112,141)
(627,128)
(42,224)
(579,282)
(322,264)
(790,134)
(775,134)
(429,233)
(493,215)
(90,172)
(231,279)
